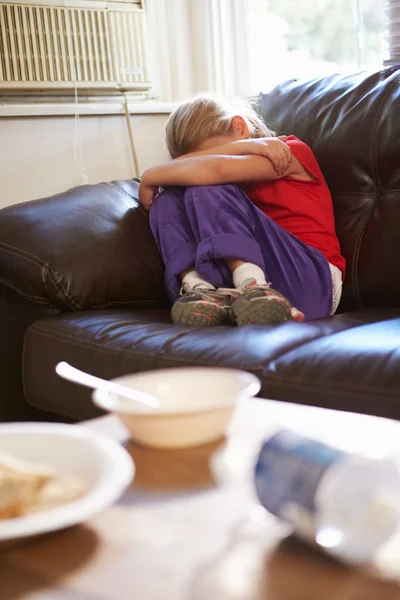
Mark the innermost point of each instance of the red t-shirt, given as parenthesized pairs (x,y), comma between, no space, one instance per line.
(302,207)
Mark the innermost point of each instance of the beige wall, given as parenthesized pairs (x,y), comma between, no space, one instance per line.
(37,153)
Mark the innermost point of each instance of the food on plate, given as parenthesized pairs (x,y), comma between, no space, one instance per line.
(26,487)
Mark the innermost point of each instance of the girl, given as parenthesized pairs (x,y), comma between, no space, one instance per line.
(241,208)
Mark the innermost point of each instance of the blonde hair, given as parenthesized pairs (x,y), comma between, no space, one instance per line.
(206,116)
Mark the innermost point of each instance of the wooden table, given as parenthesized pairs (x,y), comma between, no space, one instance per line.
(190,528)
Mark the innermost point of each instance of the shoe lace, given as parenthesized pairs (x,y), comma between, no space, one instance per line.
(221,292)
(236,292)
(203,292)
(229,292)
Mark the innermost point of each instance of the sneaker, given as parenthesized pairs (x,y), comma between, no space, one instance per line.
(203,307)
(262,305)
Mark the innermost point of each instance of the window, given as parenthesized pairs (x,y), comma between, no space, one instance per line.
(243,46)
(309,38)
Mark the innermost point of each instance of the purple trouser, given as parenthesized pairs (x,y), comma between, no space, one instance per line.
(202,226)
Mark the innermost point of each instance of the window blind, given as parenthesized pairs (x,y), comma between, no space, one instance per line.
(393,32)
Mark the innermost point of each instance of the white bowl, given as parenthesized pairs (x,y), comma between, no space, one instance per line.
(104,466)
(196,404)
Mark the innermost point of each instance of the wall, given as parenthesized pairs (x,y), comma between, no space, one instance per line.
(37,153)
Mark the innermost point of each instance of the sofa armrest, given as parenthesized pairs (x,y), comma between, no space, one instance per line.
(88,247)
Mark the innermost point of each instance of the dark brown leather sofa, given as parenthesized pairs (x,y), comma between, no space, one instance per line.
(82,281)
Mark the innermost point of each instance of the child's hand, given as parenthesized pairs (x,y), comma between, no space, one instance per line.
(147,193)
(273,148)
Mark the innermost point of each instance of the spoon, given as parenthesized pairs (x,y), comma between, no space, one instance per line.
(72,374)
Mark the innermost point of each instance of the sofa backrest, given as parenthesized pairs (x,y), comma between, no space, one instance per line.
(352,123)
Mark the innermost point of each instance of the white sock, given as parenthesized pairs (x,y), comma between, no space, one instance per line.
(193,280)
(246,273)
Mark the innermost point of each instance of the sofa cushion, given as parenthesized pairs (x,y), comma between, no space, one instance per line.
(355,370)
(88,247)
(293,360)
(352,124)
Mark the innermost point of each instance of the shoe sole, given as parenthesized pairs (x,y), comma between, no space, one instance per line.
(261,311)
(187,314)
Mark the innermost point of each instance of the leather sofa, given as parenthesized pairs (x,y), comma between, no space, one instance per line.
(82,280)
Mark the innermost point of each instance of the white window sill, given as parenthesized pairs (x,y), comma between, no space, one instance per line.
(86,106)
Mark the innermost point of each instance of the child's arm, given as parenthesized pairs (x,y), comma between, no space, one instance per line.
(273,148)
(211,170)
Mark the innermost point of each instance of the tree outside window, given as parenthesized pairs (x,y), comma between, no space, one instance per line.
(311,38)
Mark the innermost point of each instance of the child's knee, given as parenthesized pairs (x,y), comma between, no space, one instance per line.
(167,200)
(214,195)
(212,189)
(172,194)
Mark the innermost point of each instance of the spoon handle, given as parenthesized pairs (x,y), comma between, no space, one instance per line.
(70,373)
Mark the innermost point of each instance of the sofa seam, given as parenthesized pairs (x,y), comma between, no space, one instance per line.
(119,191)
(63,413)
(337,193)
(35,299)
(356,254)
(124,302)
(292,383)
(86,344)
(23,254)
(45,301)
(69,301)
(123,193)
(44,267)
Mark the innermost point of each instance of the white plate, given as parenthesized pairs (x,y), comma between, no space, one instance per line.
(102,463)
